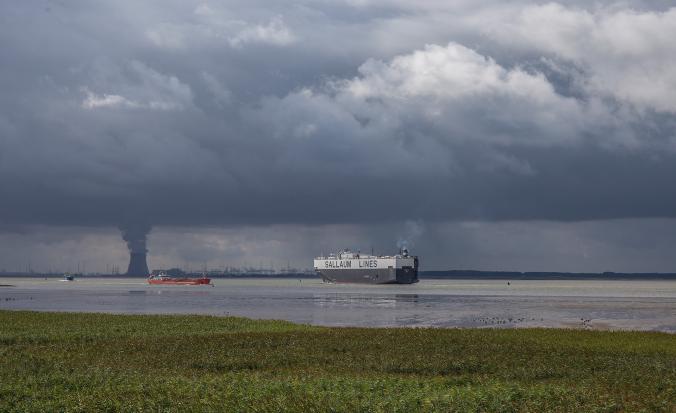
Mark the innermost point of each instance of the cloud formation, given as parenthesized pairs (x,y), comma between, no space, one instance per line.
(241,113)
(143,87)
(624,54)
(275,32)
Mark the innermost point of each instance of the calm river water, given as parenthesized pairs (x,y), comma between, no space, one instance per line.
(625,305)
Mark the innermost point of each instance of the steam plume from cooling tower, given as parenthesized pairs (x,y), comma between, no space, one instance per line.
(135,235)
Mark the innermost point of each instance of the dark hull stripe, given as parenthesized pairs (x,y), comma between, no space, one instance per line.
(370,276)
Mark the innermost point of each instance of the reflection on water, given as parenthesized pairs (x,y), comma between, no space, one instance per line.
(642,305)
(362,300)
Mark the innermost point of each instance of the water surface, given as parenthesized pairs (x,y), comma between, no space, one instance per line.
(588,304)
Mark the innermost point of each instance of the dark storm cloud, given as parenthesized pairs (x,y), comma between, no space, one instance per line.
(246,113)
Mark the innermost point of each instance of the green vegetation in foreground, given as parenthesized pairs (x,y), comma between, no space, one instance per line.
(102,362)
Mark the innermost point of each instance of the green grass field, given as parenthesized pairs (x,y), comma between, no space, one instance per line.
(99,362)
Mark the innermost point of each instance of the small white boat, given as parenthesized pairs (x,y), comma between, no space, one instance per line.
(68,277)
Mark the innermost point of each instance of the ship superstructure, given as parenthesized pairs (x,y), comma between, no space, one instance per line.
(354,267)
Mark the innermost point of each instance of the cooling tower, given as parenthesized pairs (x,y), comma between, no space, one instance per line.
(137,264)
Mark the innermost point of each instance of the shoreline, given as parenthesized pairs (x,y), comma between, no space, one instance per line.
(498,324)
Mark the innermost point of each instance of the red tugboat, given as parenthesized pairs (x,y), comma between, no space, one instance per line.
(163,278)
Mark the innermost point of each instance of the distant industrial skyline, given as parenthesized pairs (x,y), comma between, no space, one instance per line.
(645,245)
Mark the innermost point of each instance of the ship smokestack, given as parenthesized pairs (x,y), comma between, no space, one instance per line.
(135,235)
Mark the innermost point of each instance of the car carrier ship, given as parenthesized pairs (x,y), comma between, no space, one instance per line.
(350,267)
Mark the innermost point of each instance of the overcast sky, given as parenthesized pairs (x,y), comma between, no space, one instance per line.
(516,135)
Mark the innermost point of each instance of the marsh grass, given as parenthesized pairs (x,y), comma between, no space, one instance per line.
(102,362)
